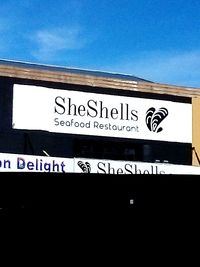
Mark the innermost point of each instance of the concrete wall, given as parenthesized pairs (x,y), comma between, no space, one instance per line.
(196,130)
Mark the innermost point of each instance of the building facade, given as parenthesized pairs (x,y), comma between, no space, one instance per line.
(56,119)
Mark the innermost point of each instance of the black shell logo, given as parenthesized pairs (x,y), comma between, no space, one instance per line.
(85,167)
(154,118)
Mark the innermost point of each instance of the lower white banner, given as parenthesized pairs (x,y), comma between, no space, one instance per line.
(130,167)
(29,163)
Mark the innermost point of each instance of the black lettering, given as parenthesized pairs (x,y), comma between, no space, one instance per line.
(127,112)
(122,117)
(113,112)
(111,170)
(134,115)
(70,106)
(56,121)
(99,167)
(102,109)
(120,171)
(127,166)
(92,108)
(57,99)
(80,109)
(137,171)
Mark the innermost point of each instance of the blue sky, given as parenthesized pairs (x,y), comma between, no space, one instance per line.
(158,40)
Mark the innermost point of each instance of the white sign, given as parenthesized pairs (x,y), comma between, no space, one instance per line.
(84,165)
(73,112)
(27,163)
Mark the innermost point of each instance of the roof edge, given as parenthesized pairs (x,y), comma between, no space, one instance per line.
(48,67)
